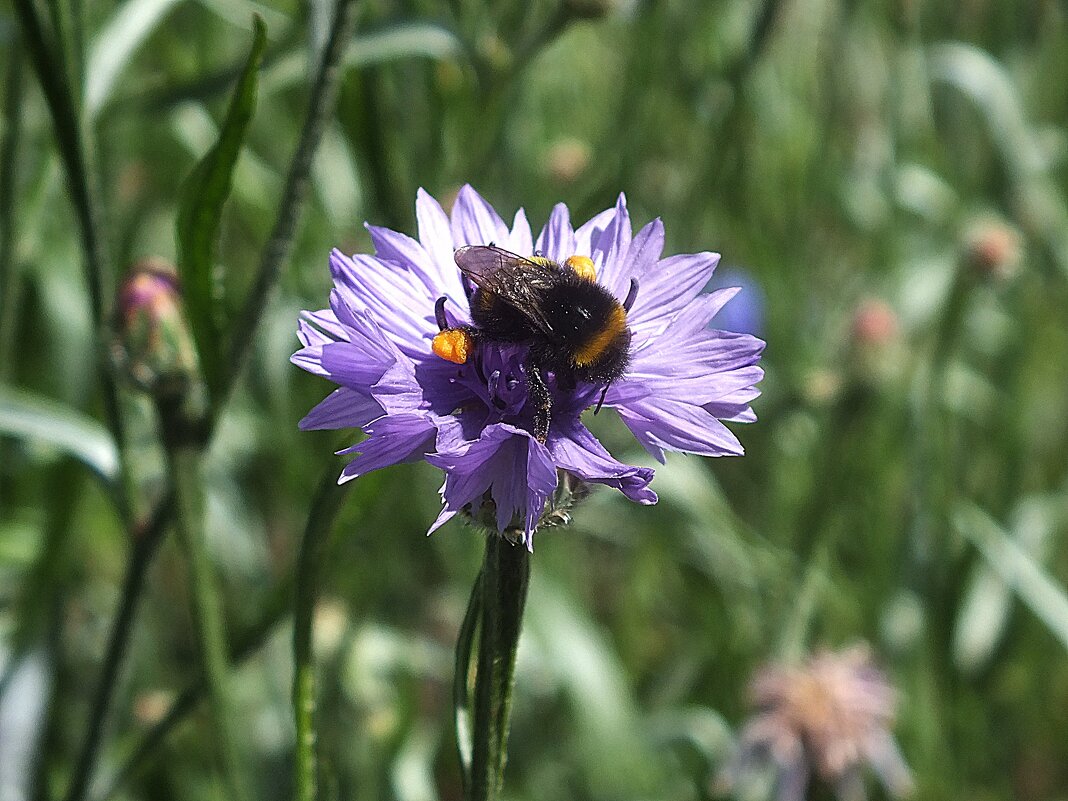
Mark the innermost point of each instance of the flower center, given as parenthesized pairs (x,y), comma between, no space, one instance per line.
(497,374)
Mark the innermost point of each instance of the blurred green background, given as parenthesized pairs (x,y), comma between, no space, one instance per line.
(888,180)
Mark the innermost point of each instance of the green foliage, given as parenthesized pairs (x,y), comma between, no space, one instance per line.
(41,421)
(906,484)
(199,213)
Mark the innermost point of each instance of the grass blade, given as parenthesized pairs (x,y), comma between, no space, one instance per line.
(200,206)
(1016,567)
(116,43)
(29,416)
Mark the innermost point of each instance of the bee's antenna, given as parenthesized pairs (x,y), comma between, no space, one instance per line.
(601,401)
(632,295)
(439,313)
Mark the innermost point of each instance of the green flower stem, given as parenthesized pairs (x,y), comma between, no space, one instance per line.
(792,642)
(320,109)
(461,689)
(10,283)
(144,548)
(55,84)
(504,579)
(323,512)
(324,509)
(9,280)
(934,425)
(185,466)
(244,645)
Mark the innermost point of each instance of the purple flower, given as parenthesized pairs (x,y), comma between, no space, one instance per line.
(746,314)
(474,420)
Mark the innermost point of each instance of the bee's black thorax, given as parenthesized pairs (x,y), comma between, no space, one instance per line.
(587,338)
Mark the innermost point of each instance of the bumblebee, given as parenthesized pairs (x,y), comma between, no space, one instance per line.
(574,327)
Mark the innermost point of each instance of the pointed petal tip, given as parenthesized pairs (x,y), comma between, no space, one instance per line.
(444,517)
(466,191)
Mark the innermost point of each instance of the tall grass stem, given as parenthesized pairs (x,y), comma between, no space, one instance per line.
(210,631)
(320,108)
(323,510)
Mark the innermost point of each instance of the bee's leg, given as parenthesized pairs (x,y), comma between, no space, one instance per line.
(632,294)
(600,402)
(543,403)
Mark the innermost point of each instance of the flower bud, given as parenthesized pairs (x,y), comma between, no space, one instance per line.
(874,324)
(991,249)
(156,348)
(875,342)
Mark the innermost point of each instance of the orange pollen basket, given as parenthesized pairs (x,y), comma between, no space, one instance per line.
(582,266)
(452,345)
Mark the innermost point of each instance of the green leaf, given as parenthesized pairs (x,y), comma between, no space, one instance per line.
(1016,568)
(26,415)
(200,208)
(116,43)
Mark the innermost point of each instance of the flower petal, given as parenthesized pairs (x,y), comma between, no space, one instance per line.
(708,366)
(367,362)
(667,287)
(557,239)
(642,256)
(520,239)
(589,233)
(400,302)
(576,450)
(342,408)
(541,483)
(391,440)
(435,235)
(320,327)
(403,251)
(610,250)
(659,423)
(474,221)
(506,461)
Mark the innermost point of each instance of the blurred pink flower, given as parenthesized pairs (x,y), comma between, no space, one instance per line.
(830,716)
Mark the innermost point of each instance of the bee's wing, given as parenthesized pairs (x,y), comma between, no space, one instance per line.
(518,281)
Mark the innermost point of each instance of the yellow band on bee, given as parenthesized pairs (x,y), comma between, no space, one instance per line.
(582,266)
(452,345)
(614,326)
